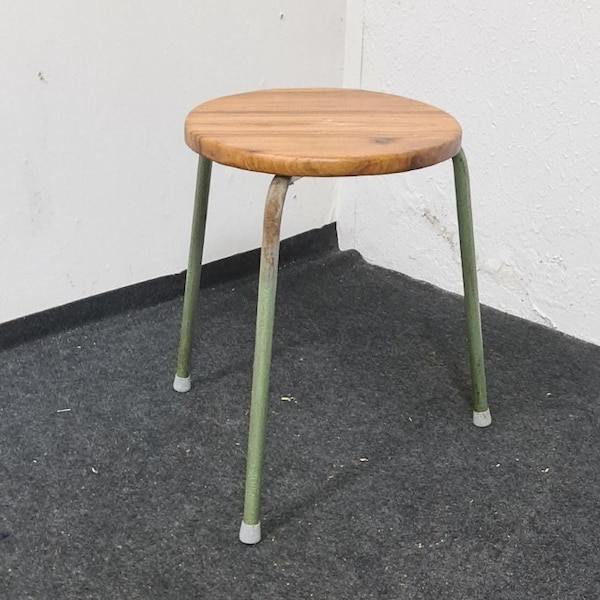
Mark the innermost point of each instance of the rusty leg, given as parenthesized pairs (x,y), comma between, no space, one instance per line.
(267,288)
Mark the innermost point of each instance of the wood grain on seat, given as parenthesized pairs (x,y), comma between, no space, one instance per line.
(322,132)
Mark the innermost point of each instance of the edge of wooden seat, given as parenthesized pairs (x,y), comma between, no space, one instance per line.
(322,132)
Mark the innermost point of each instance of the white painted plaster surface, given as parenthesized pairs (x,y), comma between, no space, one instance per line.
(523,78)
(96,182)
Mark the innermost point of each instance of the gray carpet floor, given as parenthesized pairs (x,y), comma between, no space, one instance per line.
(376,484)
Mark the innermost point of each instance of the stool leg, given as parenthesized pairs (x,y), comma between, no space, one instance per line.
(481,413)
(182,382)
(267,288)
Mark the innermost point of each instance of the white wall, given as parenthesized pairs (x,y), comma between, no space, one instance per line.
(97,184)
(523,78)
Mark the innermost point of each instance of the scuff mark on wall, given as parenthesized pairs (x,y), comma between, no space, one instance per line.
(39,203)
(545,319)
(440,229)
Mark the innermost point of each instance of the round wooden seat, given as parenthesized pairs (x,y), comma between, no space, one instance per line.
(322,132)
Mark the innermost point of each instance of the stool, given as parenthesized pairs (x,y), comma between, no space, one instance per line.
(294,133)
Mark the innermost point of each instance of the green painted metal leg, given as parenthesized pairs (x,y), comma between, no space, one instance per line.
(182,382)
(481,413)
(267,288)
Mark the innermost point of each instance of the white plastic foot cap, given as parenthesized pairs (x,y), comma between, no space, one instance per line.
(250,534)
(182,384)
(482,419)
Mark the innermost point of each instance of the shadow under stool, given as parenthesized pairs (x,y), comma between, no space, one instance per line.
(292,133)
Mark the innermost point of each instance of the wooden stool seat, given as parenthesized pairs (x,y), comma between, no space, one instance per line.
(322,132)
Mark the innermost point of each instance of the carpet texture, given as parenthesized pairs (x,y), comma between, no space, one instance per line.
(376,484)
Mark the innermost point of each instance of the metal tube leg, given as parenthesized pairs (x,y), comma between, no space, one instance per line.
(267,288)
(182,382)
(481,413)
